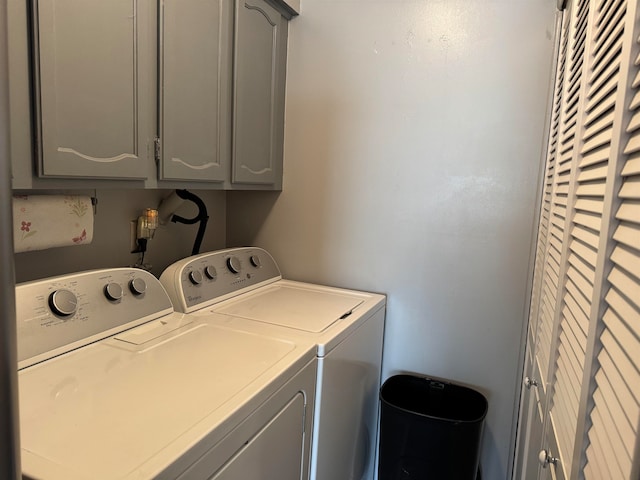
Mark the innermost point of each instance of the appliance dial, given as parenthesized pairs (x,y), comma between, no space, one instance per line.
(137,286)
(233,264)
(63,302)
(255,261)
(113,291)
(210,272)
(195,277)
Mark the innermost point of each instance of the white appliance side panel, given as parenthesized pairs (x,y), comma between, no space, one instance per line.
(346,419)
(305,309)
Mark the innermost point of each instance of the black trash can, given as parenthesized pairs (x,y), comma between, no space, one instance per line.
(429,429)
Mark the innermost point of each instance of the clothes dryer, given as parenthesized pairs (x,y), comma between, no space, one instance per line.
(245,285)
(116,385)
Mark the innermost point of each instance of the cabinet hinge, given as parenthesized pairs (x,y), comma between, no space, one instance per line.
(156,149)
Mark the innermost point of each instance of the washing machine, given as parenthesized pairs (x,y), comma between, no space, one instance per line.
(246,287)
(114,384)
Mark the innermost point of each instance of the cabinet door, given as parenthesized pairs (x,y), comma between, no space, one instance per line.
(259,81)
(195,93)
(91,79)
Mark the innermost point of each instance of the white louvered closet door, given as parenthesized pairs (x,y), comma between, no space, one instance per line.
(540,319)
(555,228)
(597,148)
(588,354)
(611,443)
(551,234)
(562,403)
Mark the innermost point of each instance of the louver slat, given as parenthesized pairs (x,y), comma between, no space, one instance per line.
(596,156)
(605,446)
(608,49)
(588,220)
(606,74)
(605,90)
(592,189)
(609,378)
(595,173)
(587,236)
(628,235)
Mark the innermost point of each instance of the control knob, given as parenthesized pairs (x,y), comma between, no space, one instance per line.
(63,302)
(255,261)
(210,272)
(233,264)
(113,291)
(137,286)
(195,277)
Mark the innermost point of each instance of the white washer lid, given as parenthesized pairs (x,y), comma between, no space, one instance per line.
(101,412)
(305,309)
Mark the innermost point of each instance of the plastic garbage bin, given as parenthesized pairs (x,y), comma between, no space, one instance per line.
(429,429)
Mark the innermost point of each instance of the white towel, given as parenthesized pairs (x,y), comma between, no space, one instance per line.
(48,221)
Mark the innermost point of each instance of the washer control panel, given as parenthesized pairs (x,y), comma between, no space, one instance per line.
(202,280)
(58,314)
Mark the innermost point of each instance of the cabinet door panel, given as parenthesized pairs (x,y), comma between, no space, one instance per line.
(259,92)
(195,95)
(89,77)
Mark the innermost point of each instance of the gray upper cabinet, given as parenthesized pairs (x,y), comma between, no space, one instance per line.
(259,87)
(196,40)
(148,93)
(91,88)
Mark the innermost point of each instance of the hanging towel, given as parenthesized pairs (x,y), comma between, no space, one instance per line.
(49,221)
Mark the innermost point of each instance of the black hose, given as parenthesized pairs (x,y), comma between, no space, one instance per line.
(202,217)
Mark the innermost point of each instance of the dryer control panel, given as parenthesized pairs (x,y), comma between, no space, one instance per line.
(58,314)
(202,280)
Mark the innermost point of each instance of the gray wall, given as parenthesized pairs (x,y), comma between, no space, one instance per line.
(412,154)
(111,238)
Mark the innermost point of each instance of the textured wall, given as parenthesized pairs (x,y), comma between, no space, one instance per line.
(412,153)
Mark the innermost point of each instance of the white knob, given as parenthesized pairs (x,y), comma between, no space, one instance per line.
(530,382)
(545,459)
(63,302)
